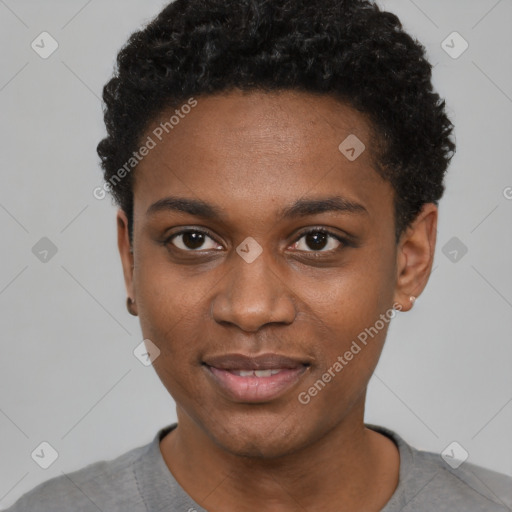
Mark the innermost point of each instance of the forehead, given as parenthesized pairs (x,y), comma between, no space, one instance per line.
(242,148)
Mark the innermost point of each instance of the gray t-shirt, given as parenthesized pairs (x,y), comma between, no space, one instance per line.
(139,481)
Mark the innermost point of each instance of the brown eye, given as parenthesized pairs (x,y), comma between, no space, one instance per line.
(317,240)
(192,240)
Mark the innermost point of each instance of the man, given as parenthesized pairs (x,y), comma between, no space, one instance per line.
(277,165)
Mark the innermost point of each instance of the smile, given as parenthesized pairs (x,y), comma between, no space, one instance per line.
(255,373)
(257,379)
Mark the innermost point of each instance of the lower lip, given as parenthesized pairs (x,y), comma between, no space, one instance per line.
(256,389)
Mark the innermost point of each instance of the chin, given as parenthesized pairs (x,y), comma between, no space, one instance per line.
(262,438)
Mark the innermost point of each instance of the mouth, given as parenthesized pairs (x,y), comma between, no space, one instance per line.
(255,379)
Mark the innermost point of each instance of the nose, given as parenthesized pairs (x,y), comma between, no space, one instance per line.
(253,294)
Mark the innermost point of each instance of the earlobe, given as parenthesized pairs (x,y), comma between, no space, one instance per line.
(415,256)
(127,259)
(130,306)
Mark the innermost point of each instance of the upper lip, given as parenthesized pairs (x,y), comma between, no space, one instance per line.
(260,362)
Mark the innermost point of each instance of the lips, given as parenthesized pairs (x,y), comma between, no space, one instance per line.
(261,362)
(254,379)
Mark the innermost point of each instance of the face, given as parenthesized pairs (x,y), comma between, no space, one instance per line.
(261,254)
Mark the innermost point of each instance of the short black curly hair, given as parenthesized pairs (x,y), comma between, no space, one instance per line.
(349,49)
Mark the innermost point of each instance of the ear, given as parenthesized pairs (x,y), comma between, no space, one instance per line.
(125,251)
(415,256)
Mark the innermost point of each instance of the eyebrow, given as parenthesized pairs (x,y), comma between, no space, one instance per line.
(300,208)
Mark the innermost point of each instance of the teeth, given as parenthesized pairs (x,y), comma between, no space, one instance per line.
(263,373)
(255,373)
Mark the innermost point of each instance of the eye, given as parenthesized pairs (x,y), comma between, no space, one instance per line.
(314,240)
(191,240)
(318,239)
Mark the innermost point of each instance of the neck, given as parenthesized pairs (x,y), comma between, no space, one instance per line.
(331,474)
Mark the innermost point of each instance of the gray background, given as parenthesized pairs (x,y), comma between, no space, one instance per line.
(68,374)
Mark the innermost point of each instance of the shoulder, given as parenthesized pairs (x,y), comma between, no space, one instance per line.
(428,482)
(468,484)
(104,485)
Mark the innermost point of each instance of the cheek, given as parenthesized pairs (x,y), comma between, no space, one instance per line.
(168,312)
(168,322)
(347,357)
(165,293)
(348,299)
(352,312)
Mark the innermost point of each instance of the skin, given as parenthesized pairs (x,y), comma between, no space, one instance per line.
(251,155)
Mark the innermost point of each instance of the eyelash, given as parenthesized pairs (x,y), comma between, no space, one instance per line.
(343,241)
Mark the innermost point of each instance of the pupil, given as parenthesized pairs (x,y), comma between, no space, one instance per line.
(316,237)
(193,240)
